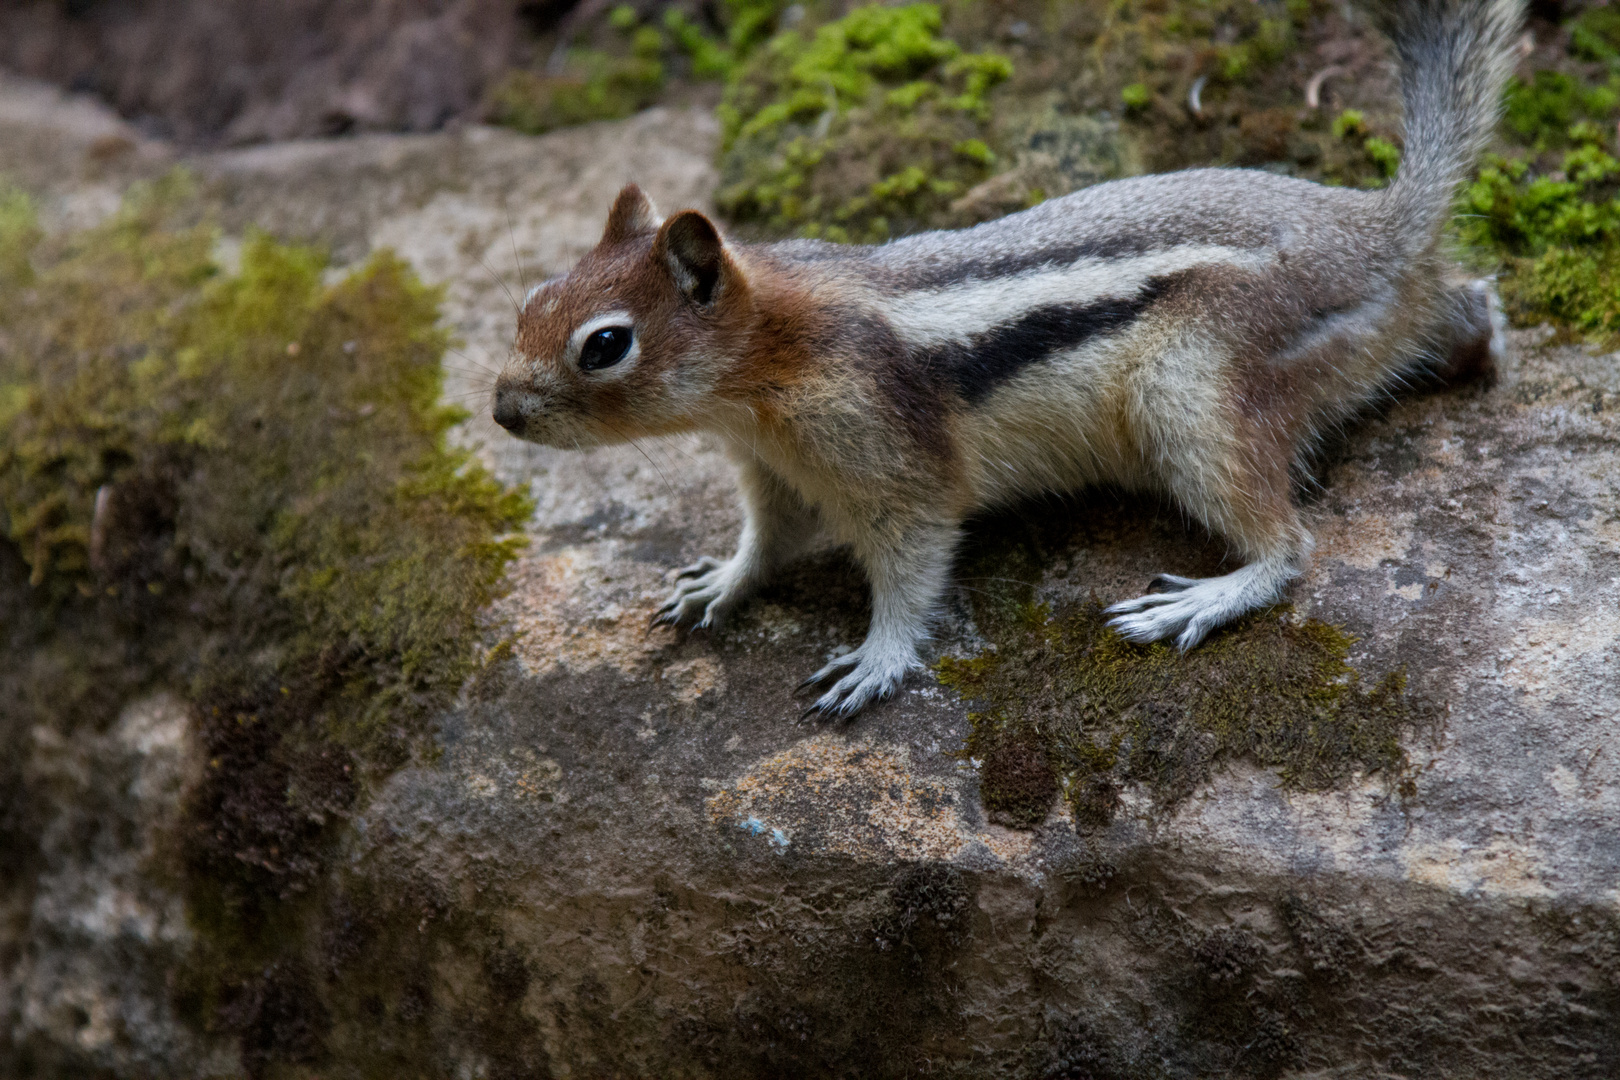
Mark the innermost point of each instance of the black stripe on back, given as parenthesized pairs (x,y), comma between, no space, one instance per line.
(977,367)
(953,269)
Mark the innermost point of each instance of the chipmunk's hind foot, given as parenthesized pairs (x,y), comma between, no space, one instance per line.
(1191,607)
(1470,341)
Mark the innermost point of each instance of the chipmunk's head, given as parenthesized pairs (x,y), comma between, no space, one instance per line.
(632,340)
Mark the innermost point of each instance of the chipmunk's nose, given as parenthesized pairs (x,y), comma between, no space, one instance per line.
(506,413)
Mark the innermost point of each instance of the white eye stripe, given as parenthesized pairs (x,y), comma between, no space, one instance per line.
(590,326)
(576,340)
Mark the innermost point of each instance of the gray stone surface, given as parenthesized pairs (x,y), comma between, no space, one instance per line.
(633,857)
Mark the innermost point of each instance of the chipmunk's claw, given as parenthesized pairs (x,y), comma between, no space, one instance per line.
(816,678)
(1192,607)
(853,693)
(1170,583)
(866,677)
(699,568)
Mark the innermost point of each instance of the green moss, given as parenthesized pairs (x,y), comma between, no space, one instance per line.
(1350,122)
(238,486)
(1595,35)
(1580,288)
(1557,234)
(1546,213)
(597,86)
(1272,689)
(710,59)
(1229,42)
(78,399)
(748,24)
(1384,154)
(867,127)
(890,120)
(624,65)
(1539,113)
(19,233)
(1148,56)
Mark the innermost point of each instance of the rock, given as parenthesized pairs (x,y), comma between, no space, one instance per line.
(633,857)
(1054,154)
(250,70)
(87,978)
(71,150)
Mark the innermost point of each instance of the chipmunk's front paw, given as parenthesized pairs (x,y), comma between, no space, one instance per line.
(876,675)
(705,593)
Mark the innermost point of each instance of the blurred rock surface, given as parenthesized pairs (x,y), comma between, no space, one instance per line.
(249,70)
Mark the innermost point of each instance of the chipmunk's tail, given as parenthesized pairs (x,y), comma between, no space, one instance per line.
(1456,56)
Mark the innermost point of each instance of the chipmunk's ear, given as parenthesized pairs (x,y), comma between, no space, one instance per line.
(632,216)
(690,247)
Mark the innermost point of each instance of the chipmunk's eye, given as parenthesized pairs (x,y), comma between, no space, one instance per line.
(604,348)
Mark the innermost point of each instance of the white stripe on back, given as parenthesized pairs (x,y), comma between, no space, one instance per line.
(963,311)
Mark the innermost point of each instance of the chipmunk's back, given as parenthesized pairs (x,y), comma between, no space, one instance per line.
(1233,208)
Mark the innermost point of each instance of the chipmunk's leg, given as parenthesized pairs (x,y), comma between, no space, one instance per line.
(776,526)
(908,578)
(1246,496)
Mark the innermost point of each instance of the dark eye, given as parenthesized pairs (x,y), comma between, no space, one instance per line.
(605,348)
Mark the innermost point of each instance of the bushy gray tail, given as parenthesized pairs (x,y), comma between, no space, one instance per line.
(1456,56)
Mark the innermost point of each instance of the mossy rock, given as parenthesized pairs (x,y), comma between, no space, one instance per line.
(870,126)
(528,901)
(623,60)
(1546,211)
(1100,712)
(1061,703)
(598,87)
(891,120)
(239,486)
(888,120)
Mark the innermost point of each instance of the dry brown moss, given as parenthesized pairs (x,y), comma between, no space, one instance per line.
(1273,689)
(1017,780)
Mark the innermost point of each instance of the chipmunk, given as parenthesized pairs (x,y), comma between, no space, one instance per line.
(1190,334)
